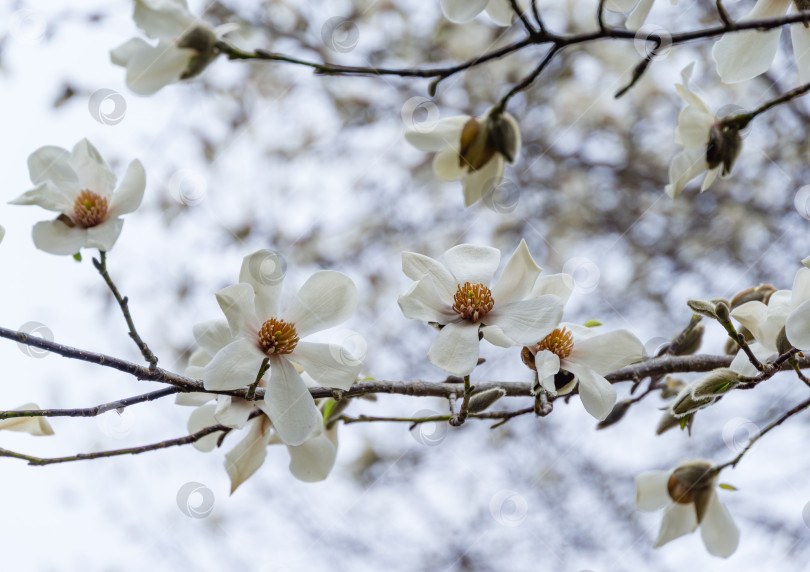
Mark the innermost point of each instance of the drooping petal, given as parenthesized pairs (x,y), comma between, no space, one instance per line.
(483,181)
(560,285)
(651,490)
(597,394)
(104,235)
(518,276)
(162,19)
(122,55)
(447,166)
(741,56)
(720,535)
(417,266)
(288,403)
(679,519)
(234,366)
(527,321)
(128,196)
(264,271)
(236,302)
(233,411)
(153,67)
(58,238)
(604,353)
(199,419)
(212,335)
(694,125)
(797,327)
(443,134)
(473,264)
(421,302)
(37,426)
(455,349)
(48,196)
(313,460)
(326,299)
(330,365)
(249,454)
(800,37)
(91,168)
(685,166)
(500,11)
(548,365)
(460,11)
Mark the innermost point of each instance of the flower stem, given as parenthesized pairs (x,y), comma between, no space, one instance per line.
(461,416)
(262,370)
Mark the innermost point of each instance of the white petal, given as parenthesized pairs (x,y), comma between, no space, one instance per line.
(237,304)
(421,302)
(444,133)
(460,11)
(417,266)
(233,411)
(288,403)
(527,321)
(620,5)
(162,19)
(153,67)
(720,535)
(327,299)
(483,181)
(58,238)
(48,196)
(639,15)
(693,128)
(500,11)
(548,365)
(37,426)
(560,285)
(193,398)
(447,166)
(801,288)
(797,327)
(651,490)
(313,460)
(518,276)
(129,194)
(679,519)
(597,394)
(199,419)
(473,264)
(121,55)
(264,271)
(330,365)
(51,164)
(93,172)
(249,454)
(233,367)
(212,335)
(104,235)
(685,166)
(604,353)
(455,349)
(2,232)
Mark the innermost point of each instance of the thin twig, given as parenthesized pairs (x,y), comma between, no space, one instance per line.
(91,411)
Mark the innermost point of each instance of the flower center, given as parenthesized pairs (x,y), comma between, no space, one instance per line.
(473,301)
(89,209)
(679,491)
(559,342)
(277,337)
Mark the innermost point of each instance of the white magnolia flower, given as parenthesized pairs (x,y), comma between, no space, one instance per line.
(37,426)
(79,185)
(456,296)
(261,330)
(460,11)
(639,10)
(185,46)
(709,146)
(797,323)
(471,149)
(589,356)
(741,56)
(311,461)
(690,500)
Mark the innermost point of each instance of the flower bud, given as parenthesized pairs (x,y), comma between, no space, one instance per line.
(685,403)
(702,307)
(714,383)
(761,293)
(616,414)
(722,309)
(691,342)
(724,147)
(483,399)
(672,387)
(201,39)
(667,422)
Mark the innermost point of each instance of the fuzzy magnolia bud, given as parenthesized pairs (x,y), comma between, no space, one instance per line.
(761,293)
(722,310)
(691,341)
(685,403)
(616,414)
(201,39)
(702,307)
(724,147)
(483,399)
(667,422)
(714,383)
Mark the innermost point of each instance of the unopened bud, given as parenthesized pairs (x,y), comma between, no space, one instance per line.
(691,341)
(724,147)
(702,307)
(667,422)
(201,39)
(483,399)
(761,293)
(616,414)
(686,403)
(672,386)
(714,383)
(722,309)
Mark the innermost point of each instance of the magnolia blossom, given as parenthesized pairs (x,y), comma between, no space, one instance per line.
(639,10)
(456,296)
(79,185)
(741,56)
(262,331)
(185,46)
(797,323)
(471,149)
(461,11)
(690,500)
(311,461)
(589,356)
(709,145)
(37,426)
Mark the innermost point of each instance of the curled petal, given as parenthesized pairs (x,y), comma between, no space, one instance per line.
(37,426)
(597,394)
(199,419)
(128,196)
(518,276)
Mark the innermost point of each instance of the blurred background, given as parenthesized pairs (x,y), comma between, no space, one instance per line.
(268,155)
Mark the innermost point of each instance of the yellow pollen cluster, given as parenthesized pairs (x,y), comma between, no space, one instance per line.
(473,301)
(559,342)
(277,337)
(89,209)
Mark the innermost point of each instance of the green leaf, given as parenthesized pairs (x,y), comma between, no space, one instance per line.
(592,323)
(77,257)
(727,487)
(327,409)
(368,378)
(722,387)
(684,421)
